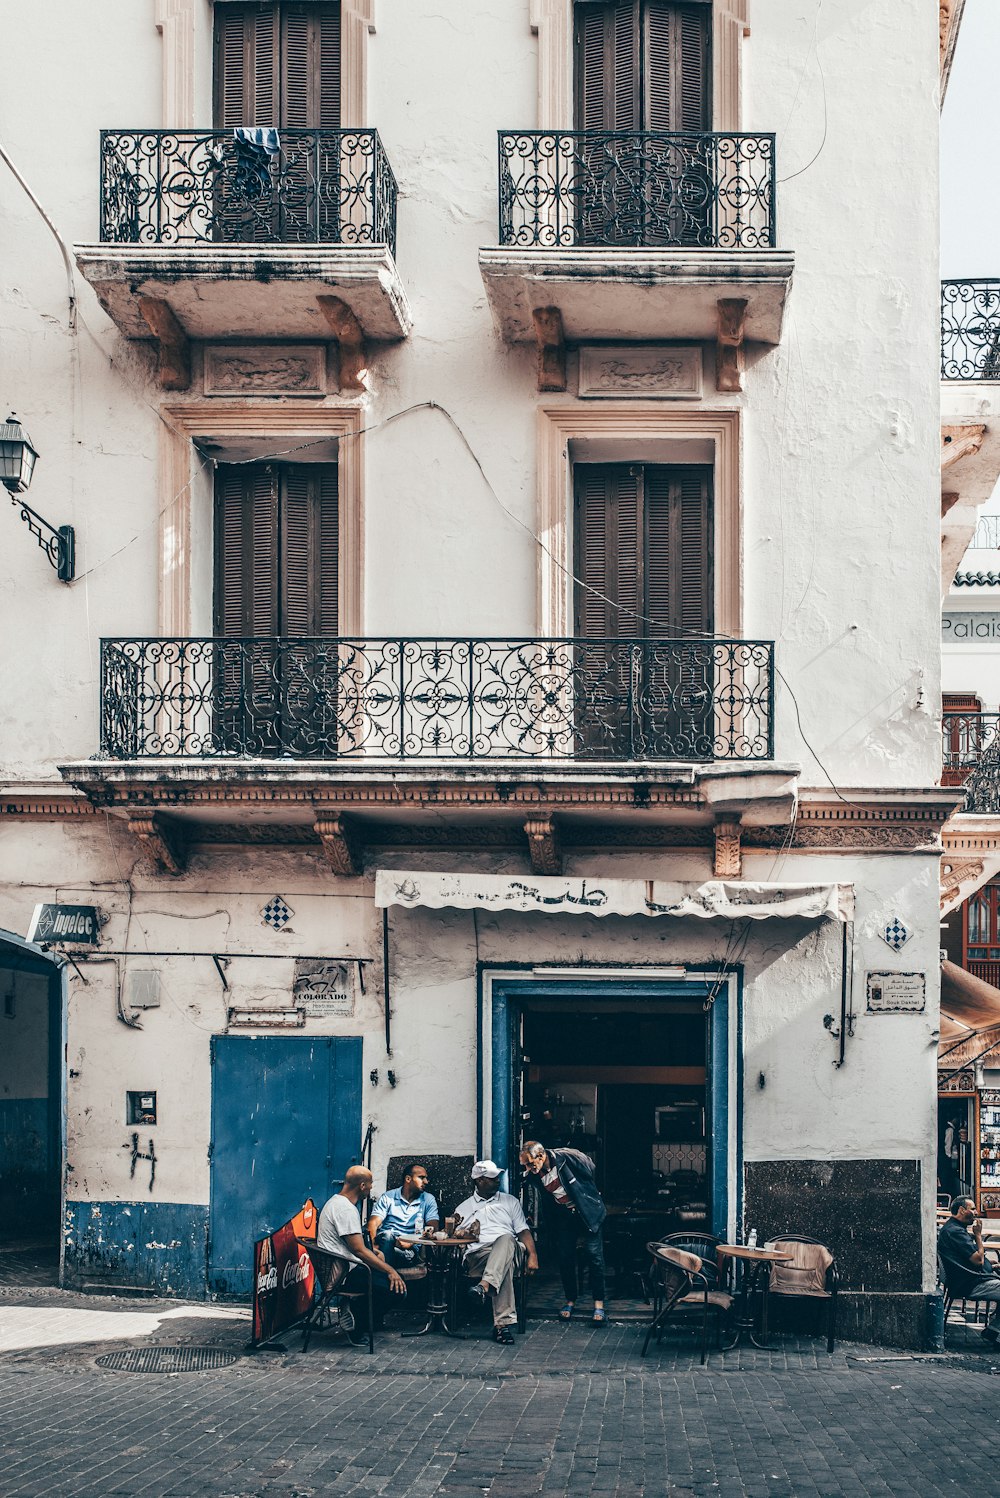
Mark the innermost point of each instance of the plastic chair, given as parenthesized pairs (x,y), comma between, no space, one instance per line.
(679,1285)
(331,1271)
(809,1275)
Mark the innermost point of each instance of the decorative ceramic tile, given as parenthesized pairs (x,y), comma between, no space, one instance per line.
(895,935)
(276,913)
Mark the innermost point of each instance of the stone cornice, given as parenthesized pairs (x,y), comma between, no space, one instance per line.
(607,807)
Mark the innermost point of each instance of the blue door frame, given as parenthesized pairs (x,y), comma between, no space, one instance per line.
(508,992)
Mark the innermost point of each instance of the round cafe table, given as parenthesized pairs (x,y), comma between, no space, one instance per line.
(754,1265)
(444,1256)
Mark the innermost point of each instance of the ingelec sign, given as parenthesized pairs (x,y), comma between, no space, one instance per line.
(77,925)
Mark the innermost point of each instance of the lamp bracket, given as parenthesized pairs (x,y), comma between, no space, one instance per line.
(58,544)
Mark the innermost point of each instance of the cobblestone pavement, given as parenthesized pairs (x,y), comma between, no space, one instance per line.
(571,1410)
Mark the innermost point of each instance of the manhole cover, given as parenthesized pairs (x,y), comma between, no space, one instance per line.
(166,1359)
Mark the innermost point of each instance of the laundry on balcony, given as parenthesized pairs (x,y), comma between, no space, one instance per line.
(256,147)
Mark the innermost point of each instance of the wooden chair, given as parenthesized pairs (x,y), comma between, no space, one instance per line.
(331,1271)
(810,1274)
(679,1286)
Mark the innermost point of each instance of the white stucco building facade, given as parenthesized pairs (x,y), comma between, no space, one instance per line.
(738,357)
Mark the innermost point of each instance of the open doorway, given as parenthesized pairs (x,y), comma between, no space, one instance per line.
(30,1111)
(625,1080)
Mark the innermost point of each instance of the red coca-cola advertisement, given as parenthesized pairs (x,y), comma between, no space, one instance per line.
(282,1276)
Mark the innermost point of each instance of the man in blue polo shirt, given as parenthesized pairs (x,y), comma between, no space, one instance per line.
(403,1213)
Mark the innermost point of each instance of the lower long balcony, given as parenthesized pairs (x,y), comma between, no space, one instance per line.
(383,702)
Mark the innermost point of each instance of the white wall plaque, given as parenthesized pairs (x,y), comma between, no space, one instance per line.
(323,988)
(640,370)
(265,369)
(897,993)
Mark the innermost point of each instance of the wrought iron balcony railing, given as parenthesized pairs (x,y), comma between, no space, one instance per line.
(471,700)
(971,757)
(645,189)
(986,536)
(195,187)
(970,330)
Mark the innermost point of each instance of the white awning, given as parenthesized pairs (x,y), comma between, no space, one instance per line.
(727,899)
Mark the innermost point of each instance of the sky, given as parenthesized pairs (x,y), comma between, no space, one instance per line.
(970,171)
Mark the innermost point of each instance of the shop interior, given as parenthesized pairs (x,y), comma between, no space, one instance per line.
(29,1111)
(624,1081)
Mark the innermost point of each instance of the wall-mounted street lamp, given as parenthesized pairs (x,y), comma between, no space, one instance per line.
(17,464)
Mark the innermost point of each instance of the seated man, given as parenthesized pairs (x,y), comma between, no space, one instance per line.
(403,1213)
(963,1257)
(339,1233)
(503,1236)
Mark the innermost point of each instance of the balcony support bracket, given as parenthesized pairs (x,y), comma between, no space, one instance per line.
(340,846)
(551,343)
(350,341)
(544,847)
(960,440)
(728,848)
(162,840)
(173,348)
(729,344)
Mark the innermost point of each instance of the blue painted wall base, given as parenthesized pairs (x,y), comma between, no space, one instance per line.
(160,1246)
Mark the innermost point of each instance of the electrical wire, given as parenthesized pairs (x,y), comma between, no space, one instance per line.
(822,80)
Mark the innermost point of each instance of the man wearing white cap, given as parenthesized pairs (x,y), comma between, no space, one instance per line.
(503,1235)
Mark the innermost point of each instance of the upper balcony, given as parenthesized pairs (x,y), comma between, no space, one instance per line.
(970,412)
(222,234)
(638,235)
(652,731)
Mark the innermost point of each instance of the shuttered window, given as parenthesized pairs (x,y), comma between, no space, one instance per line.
(643,65)
(643,551)
(278,64)
(276,549)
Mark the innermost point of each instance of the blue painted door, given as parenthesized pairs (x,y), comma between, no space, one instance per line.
(286,1124)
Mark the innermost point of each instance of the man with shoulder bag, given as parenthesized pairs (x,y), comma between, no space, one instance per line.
(573,1211)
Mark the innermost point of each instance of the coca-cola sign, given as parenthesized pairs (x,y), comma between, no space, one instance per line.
(283,1276)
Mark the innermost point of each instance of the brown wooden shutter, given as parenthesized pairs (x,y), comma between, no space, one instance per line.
(247,48)
(607,65)
(675,66)
(643,65)
(643,541)
(278,65)
(246,550)
(309,549)
(310,66)
(608,554)
(695,612)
